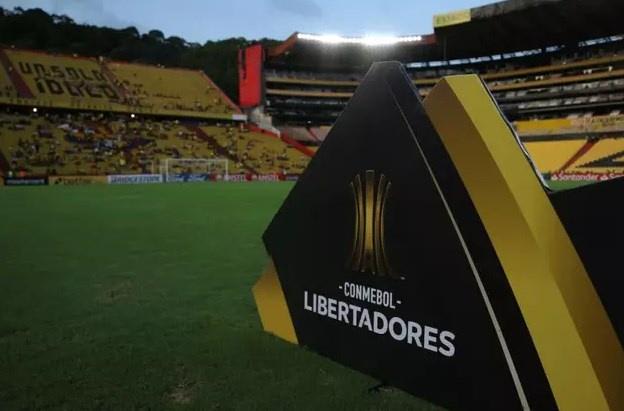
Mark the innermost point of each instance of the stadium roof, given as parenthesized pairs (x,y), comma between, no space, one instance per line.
(503,27)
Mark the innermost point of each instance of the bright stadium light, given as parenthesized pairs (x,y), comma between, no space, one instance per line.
(365,41)
(34,109)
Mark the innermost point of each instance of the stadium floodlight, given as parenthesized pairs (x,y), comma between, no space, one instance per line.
(34,109)
(365,41)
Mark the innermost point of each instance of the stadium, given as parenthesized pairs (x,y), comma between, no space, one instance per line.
(135,197)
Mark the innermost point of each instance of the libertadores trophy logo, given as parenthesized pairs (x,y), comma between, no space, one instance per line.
(368,252)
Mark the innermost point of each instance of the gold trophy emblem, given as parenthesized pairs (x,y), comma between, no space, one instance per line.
(368,252)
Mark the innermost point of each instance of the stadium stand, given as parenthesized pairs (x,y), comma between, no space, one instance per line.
(85,144)
(80,143)
(37,79)
(604,157)
(258,152)
(563,86)
(170,91)
(562,89)
(552,156)
(585,126)
(46,80)
(576,145)
(68,115)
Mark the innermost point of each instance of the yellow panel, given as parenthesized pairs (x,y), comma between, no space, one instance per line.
(272,306)
(576,343)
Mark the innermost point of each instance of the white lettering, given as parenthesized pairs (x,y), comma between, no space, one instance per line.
(414,330)
(343,312)
(409,332)
(380,323)
(331,308)
(446,338)
(399,336)
(431,337)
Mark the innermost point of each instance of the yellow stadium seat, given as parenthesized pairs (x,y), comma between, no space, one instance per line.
(551,156)
(606,156)
(170,91)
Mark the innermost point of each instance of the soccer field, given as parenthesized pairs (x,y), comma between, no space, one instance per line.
(139,297)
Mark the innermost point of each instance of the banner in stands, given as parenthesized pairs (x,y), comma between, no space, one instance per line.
(599,123)
(135,179)
(71,80)
(431,269)
(77,180)
(25,181)
(47,80)
(594,124)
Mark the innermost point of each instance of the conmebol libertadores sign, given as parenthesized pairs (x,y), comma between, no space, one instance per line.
(421,247)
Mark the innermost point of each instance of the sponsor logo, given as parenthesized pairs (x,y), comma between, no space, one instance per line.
(190,178)
(260,177)
(368,250)
(77,180)
(589,176)
(135,179)
(236,177)
(267,177)
(25,181)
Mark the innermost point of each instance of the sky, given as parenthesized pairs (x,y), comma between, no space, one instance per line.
(202,20)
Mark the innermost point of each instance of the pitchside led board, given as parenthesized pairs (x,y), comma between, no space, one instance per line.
(421,247)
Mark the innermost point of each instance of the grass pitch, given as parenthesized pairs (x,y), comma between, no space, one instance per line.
(139,297)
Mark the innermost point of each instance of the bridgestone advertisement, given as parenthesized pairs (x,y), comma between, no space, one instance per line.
(135,179)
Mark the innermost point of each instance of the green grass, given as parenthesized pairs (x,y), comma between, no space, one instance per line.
(138,297)
(566,185)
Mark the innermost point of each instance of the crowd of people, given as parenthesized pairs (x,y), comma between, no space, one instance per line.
(257,152)
(90,144)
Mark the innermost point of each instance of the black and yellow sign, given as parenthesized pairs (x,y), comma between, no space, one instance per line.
(466,281)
